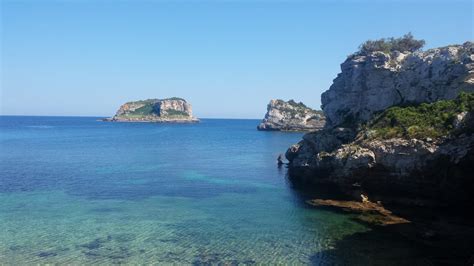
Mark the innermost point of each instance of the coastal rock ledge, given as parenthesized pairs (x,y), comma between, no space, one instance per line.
(291,116)
(171,110)
(400,128)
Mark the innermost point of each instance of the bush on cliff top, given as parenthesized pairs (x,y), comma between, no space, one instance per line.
(297,105)
(425,120)
(406,43)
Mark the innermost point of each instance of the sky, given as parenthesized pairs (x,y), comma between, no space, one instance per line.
(227,58)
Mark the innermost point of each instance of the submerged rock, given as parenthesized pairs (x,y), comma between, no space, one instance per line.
(291,116)
(175,110)
(372,213)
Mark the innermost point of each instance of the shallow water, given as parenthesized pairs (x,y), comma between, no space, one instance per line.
(77,190)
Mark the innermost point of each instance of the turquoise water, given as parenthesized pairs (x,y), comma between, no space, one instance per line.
(77,190)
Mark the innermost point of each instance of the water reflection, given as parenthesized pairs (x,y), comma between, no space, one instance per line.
(435,236)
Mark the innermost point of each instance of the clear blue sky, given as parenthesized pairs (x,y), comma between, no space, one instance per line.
(228,58)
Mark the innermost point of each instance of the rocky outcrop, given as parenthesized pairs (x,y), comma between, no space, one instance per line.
(175,110)
(291,116)
(389,163)
(438,170)
(371,83)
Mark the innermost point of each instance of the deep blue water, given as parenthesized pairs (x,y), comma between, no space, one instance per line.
(78,190)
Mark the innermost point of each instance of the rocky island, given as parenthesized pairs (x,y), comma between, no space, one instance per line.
(400,126)
(291,116)
(170,110)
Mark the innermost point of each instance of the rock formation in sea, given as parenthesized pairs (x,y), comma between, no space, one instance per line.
(173,110)
(291,116)
(400,127)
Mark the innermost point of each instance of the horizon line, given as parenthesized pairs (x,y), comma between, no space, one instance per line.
(91,116)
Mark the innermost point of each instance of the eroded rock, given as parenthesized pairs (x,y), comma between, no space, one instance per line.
(175,110)
(291,116)
(371,83)
(348,151)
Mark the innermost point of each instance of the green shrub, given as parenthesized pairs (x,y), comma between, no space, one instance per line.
(175,99)
(172,112)
(297,105)
(421,121)
(147,109)
(406,43)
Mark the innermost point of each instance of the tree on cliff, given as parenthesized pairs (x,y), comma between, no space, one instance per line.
(406,43)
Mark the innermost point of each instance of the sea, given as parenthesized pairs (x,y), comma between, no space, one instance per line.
(76,190)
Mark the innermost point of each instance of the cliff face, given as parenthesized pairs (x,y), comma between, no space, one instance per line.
(416,151)
(403,169)
(155,110)
(371,83)
(291,116)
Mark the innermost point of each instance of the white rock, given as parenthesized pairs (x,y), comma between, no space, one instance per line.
(368,84)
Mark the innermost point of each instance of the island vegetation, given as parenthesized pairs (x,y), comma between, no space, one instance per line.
(173,109)
(425,120)
(406,43)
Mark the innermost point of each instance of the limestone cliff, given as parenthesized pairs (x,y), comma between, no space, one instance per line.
(155,110)
(430,169)
(291,116)
(412,150)
(370,83)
